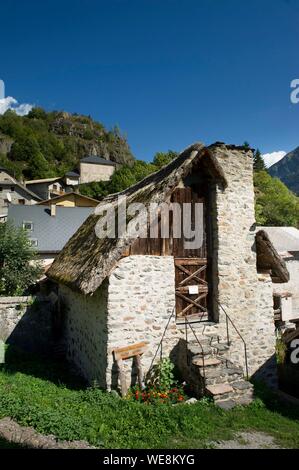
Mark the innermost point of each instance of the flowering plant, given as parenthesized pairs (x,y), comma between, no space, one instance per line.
(153,395)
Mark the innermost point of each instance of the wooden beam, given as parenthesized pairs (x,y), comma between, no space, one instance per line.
(193,275)
(130,351)
(185,289)
(191,261)
(139,370)
(122,378)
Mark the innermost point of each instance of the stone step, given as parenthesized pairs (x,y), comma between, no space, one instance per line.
(226,404)
(220,347)
(208,362)
(242,385)
(219,389)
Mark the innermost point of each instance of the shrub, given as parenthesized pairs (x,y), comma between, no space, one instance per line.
(17,269)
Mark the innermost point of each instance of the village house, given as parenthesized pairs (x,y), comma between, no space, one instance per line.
(48,227)
(46,188)
(286,243)
(94,168)
(71,199)
(13,192)
(209,308)
(72,178)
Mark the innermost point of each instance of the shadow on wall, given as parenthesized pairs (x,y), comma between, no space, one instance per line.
(33,333)
(33,330)
(267,373)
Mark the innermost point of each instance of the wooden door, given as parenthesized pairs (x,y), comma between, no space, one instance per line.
(191,288)
(191,266)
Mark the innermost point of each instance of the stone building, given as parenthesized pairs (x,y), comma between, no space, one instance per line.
(209,307)
(13,192)
(94,168)
(286,242)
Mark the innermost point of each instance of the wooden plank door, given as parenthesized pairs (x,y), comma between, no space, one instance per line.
(191,288)
(191,266)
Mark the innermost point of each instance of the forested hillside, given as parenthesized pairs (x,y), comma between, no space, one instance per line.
(46,144)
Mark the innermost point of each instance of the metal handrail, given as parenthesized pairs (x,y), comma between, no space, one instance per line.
(201,346)
(227,318)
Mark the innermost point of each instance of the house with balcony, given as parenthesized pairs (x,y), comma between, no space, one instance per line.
(47,188)
(13,192)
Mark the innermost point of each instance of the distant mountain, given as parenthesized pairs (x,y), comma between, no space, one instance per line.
(45,144)
(287,170)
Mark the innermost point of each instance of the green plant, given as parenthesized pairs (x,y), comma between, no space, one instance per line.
(161,376)
(280,351)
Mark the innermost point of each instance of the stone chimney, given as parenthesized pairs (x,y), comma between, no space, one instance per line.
(53,210)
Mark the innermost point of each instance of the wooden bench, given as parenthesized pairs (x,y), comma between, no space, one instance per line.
(120,354)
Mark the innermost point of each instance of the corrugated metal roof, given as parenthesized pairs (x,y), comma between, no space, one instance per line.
(97,160)
(51,232)
(283,238)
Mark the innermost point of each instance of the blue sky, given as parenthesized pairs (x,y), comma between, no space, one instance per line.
(168,72)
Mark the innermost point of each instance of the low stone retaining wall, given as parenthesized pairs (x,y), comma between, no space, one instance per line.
(26,323)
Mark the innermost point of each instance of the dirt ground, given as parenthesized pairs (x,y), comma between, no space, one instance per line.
(248,440)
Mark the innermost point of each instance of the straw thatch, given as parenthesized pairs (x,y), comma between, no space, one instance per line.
(86,260)
(268,258)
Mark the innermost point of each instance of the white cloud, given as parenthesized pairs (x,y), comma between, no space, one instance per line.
(273,157)
(11,103)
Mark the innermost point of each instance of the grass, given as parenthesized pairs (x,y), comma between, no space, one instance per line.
(33,393)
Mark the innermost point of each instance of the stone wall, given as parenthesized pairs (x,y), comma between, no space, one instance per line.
(26,324)
(85,320)
(247,299)
(93,172)
(140,303)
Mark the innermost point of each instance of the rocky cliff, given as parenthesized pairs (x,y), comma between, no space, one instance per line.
(45,144)
(287,170)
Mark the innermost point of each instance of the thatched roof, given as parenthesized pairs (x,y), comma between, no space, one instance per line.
(86,260)
(269,259)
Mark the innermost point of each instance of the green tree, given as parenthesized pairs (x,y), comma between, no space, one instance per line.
(258,162)
(275,204)
(19,267)
(163,158)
